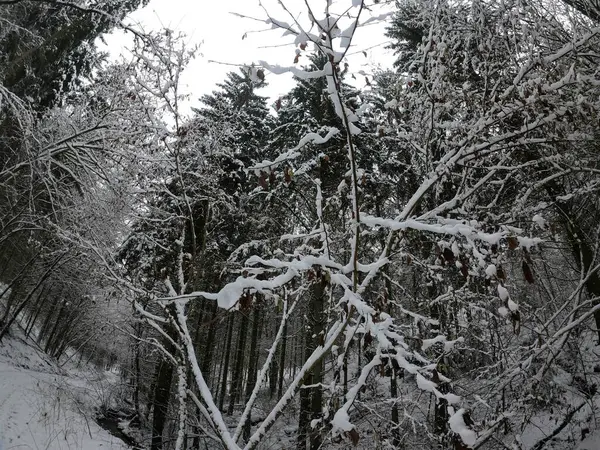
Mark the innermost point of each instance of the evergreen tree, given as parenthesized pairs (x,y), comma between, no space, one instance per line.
(48,48)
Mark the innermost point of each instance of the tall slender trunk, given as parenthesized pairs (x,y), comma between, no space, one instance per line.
(394,372)
(274,370)
(395,415)
(57,321)
(283,346)
(303,415)
(317,338)
(137,370)
(160,403)
(7,262)
(63,334)
(37,308)
(584,256)
(25,301)
(54,301)
(12,286)
(225,369)
(311,401)
(238,372)
(197,313)
(252,367)
(216,367)
(209,345)
(162,392)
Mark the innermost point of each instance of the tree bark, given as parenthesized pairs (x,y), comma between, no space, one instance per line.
(274,370)
(252,367)
(225,372)
(39,302)
(24,303)
(238,372)
(209,345)
(282,360)
(311,398)
(303,417)
(160,403)
(164,379)
(317,338)
(583,254)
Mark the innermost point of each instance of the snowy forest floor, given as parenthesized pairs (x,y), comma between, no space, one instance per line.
(43,406)
(47,406)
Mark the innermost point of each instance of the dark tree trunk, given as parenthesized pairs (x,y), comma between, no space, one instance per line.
(25,301)
(57,321)
(226,355)
(160,403)
(137,371)
(311,398)
(303,417)
(39,302)
(274,369)
(282,349)
(394,372)
(14,286)
(583,253)
(395,415)
(162,391)
(316,339)
(252,367)
(54,300)
(209,345)
(238,372)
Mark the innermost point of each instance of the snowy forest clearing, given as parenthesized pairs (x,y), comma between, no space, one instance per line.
(45,407)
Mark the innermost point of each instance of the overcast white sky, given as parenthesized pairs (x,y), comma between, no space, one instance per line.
(219,33)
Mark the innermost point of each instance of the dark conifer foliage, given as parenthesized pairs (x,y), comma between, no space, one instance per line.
(48,47)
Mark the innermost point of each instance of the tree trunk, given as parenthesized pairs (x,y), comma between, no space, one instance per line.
(225,371)
(164,379)
(137,371)
(394,372)
(274,371)
(252,366)
(57,321)
(583,253)
(282,360)
(209,346)
(39,302)
(238,372)
(160,403)
(12,286)
(24,303)
(395,415)
(54,301)
(315,339)
(311,398)
(304,416)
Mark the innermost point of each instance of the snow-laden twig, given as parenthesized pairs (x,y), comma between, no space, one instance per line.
(205,414)
(341,418)
(309,138)
(230,294)
(454,228)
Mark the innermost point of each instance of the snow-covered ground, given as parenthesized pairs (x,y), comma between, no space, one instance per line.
(592,442)
(45,407)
